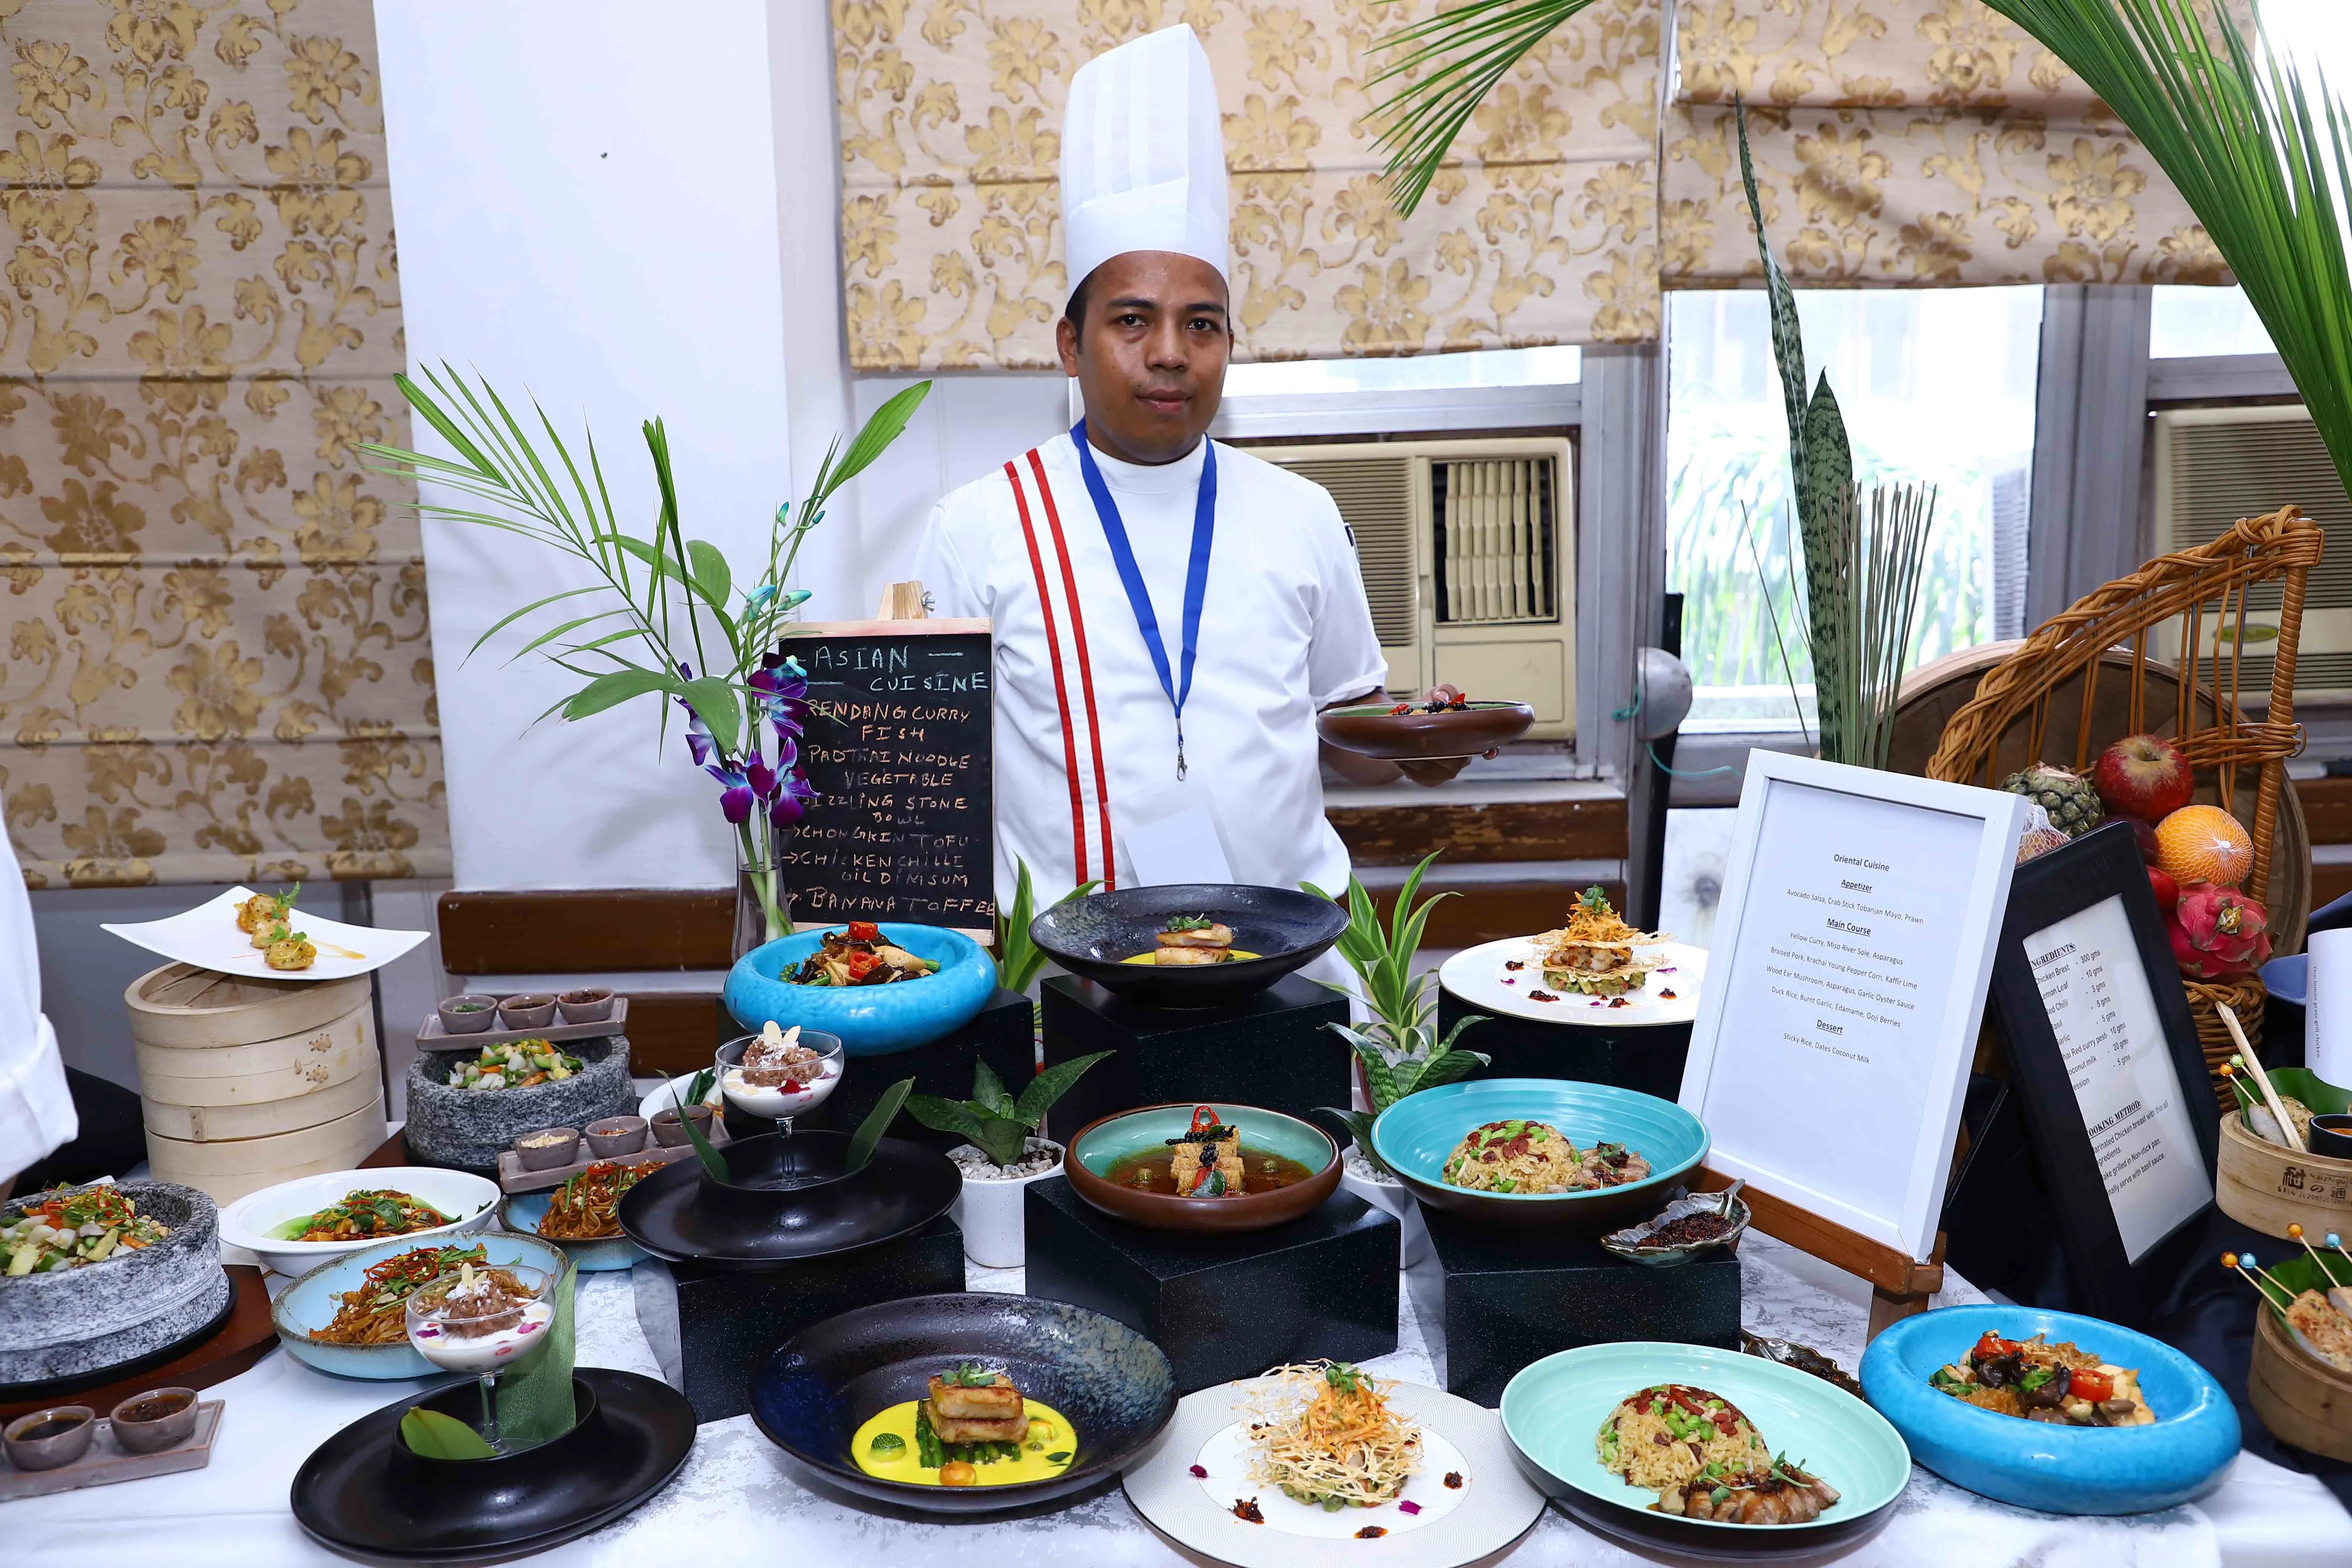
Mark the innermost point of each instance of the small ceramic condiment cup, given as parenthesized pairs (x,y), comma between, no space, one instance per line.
(531,1010)
(781,1102)
(548,1148)
(589,1006)
(456,1335)
(670,1133)
(467,1015)
(64,1432)
(158,1419)
(616,1136)
(2331,1135)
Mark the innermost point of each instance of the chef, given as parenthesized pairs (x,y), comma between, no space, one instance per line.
(36,1112)
(1170,612)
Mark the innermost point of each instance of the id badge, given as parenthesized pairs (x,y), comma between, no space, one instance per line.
(1171,834)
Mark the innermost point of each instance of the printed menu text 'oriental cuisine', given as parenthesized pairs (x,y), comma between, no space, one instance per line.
(898,750)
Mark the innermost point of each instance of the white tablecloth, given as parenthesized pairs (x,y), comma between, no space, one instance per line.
(735,1502)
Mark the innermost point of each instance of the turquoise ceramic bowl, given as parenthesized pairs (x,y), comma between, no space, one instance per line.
(1553,1413)
(522,1212)
(1102,1144)
(2034,1464)
(1417,1134)
(871,1020)
(311,1302)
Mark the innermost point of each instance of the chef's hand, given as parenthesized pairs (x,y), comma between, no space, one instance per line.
(1438,771)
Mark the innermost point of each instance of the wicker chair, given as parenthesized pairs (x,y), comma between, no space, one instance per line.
(2193,604)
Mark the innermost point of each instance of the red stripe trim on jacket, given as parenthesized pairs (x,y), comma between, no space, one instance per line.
(1086,668)
(1061,691)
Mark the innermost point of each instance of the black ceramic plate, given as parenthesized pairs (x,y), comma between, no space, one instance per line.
(814,1391)
(55,1389)
(363,1493)
(680,1215)
(1093,936)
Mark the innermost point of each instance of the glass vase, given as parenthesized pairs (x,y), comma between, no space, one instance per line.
(764,910)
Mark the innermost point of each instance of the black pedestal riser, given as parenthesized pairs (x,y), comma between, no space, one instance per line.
(1004,1034)
(1273,1052)
(1225,1307)
(1648,1059)
(728,1322)
(1492,1302)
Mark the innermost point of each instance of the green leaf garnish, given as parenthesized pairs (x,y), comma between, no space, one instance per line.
(438,1437)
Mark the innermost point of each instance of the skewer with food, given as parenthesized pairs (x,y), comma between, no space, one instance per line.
(1325,1435)
(1705,1459)
(72,1230)
(973,1428)
(1596,952)
(2319,1322)
(859,956)
(1522,1156)
(2042,1382)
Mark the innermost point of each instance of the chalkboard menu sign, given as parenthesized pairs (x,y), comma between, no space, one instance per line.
(897,747)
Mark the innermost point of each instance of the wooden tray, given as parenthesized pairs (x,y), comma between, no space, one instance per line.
(245,1337)
(104,1463)
(513,1178)
(431,1037)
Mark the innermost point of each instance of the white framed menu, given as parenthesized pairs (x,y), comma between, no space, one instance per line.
(1852,948)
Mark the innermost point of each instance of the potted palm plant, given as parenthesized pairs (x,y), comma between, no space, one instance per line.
(1002,1155)
(1396,1050)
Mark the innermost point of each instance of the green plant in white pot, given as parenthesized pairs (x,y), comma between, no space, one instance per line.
(1004,1154)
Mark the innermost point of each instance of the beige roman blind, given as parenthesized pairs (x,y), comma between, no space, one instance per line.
(218,664)
(1906,143)
(1542,231)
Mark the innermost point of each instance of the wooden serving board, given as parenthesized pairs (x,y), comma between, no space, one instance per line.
(431,1037)
(104,1462)
(513,1178)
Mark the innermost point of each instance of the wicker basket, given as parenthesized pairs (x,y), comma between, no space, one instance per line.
(2189,611)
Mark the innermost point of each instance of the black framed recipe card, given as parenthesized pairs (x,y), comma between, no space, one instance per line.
(2104,1062)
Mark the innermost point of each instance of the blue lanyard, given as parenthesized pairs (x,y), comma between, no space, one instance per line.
(1139,597)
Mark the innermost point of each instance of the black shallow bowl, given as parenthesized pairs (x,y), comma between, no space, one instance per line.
(362,1492)
(1091,936)
(815,1391)
(788,1200)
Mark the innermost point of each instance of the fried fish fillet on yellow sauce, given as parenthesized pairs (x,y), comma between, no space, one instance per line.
(988,1413)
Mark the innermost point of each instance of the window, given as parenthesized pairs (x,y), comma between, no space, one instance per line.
(1936,387)
(2189,322)
(1487,367)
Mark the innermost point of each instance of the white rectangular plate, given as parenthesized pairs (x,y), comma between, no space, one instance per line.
(208,937)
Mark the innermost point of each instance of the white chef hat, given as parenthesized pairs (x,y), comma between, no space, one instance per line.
(1143,155)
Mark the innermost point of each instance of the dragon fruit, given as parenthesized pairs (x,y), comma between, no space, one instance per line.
(2217,933)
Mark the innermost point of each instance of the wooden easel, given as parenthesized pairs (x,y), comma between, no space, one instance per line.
(1900,1283)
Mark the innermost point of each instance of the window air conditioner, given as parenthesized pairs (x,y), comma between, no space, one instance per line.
(2214,466)
(1468,550)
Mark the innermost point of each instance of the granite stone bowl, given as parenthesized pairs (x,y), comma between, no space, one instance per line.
(814,1391)
(1102,1144)
(126,1308)
(1095,936)
(466,1129)
(869,1020)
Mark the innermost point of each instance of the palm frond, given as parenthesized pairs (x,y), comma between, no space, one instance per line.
(1447,63)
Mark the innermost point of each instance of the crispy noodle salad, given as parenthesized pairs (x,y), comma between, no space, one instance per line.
(1596,952)
(1324,1433)
(66,1230)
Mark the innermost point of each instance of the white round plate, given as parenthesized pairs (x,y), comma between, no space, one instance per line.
(1492,1509)
(1480,977)
(251,1221)
(665,1098)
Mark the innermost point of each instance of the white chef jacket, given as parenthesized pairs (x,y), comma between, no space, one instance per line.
(1082,723)
(37,1113)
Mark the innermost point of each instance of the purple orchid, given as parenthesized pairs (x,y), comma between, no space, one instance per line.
(736,799)
(780,686)
(792,799)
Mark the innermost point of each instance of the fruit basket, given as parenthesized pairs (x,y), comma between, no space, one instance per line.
(2202,645)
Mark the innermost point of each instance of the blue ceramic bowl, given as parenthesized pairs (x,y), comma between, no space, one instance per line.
(522,1212)
(1417,1134)
(871,1020)
(2037,1464)
(312,1301)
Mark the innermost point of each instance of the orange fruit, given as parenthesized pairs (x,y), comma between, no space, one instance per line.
(2204,844)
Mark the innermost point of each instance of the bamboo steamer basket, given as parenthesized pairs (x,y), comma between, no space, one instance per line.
(227,1169)
(2267,1188)
(246,1081)
(2302,1401)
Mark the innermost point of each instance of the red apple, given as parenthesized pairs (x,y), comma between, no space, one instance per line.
(2144,777)
(2167,891)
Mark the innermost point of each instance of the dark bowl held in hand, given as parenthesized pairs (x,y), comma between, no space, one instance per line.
(1093,937)
(814,1391)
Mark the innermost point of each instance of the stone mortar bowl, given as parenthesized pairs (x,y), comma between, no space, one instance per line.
(85,1319)
(466,1129)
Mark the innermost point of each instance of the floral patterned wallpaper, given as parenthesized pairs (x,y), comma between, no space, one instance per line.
(1906,143)
(1542,231)
(218,663)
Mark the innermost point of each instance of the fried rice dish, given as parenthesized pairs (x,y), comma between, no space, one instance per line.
(1521,1156)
